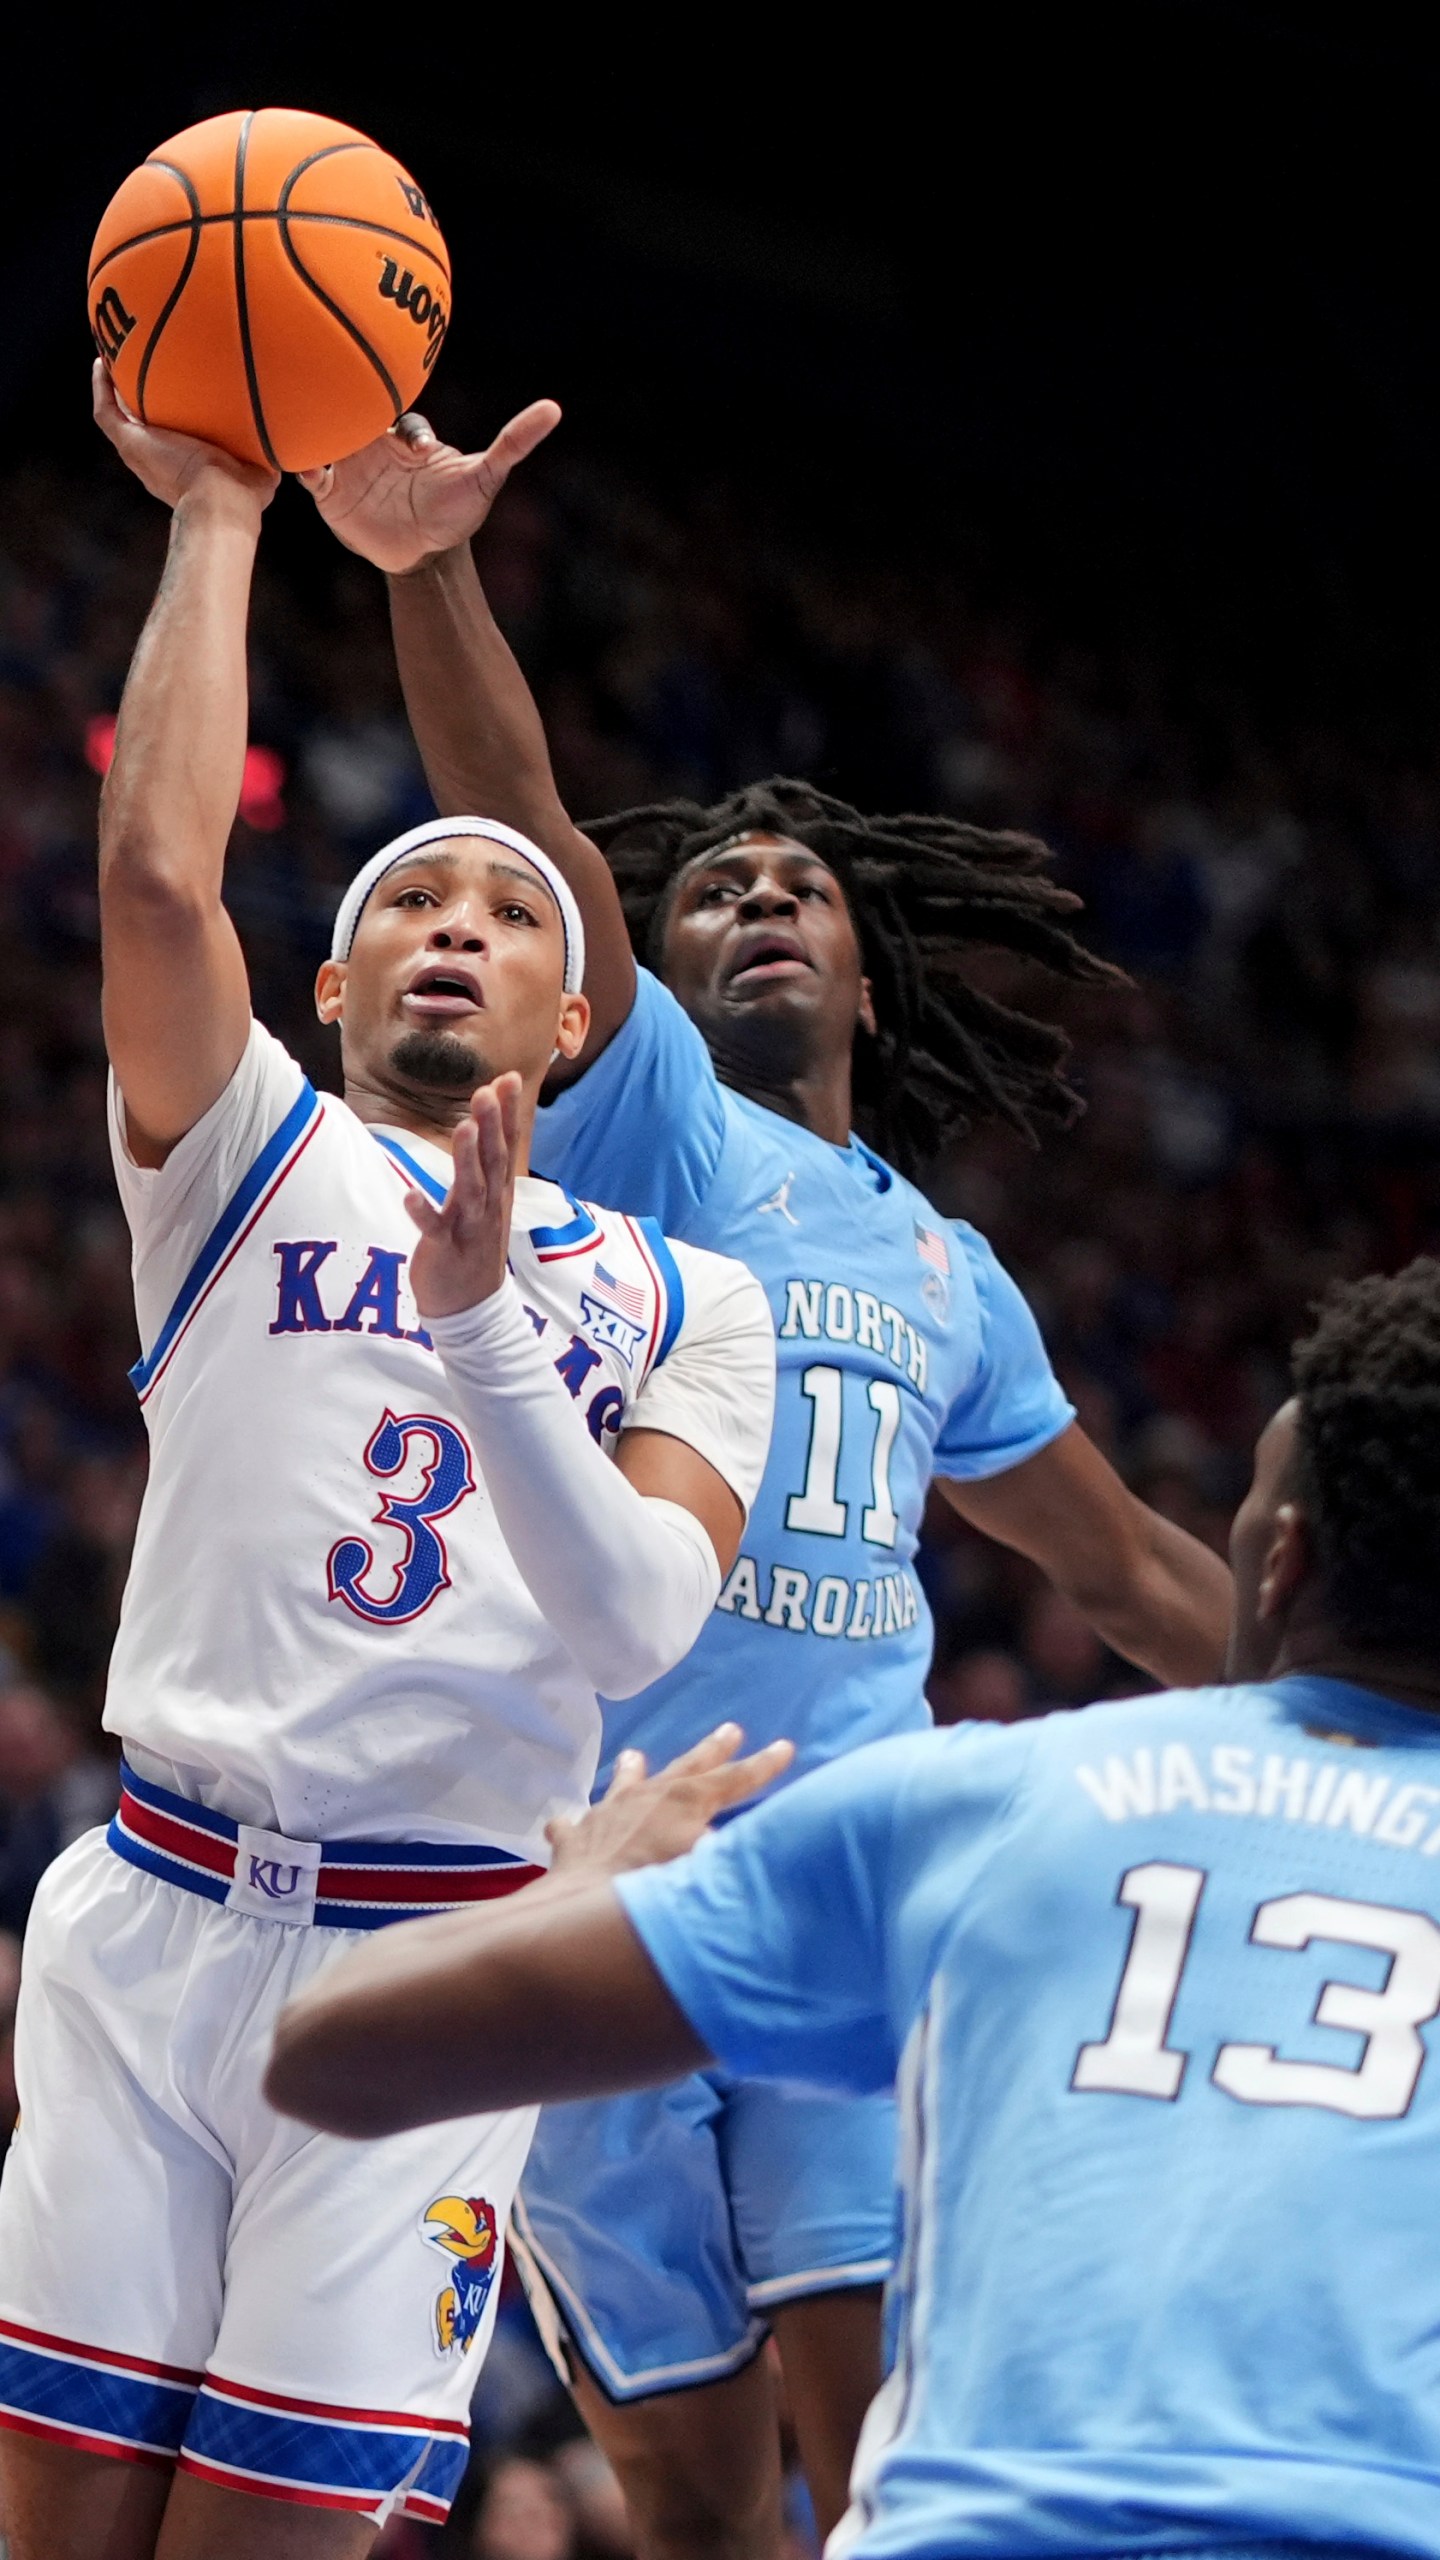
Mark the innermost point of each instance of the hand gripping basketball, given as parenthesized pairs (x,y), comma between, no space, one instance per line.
(171,465)
(407,496)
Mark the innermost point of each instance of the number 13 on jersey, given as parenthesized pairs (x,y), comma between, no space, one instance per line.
(1137,2059)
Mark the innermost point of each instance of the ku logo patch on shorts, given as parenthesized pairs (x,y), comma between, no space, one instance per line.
(465,2227)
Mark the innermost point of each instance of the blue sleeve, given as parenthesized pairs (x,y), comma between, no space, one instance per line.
(1014,1405)
(796,1939)
(642,1129)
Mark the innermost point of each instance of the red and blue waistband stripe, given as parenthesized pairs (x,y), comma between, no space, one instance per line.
(281,1151)
(184,1843)
(342,2458)
(92,2398)
(362,1884)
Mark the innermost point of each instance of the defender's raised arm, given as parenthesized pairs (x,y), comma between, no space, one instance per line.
(176,1000)
(411,506)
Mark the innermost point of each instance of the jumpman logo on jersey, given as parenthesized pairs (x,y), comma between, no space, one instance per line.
(780,1202)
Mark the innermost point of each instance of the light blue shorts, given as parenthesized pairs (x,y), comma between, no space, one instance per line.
(664,2226)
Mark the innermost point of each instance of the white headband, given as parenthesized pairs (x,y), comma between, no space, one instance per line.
(436,831)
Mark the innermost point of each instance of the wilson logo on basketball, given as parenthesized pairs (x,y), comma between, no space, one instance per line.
(110,324)
(416,202)
(426,309)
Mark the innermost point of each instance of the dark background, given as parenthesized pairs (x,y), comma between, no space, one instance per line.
(1145,292)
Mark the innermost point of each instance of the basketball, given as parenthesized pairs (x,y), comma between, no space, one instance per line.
(272,281)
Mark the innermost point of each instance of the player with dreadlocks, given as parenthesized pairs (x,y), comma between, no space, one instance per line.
(936,1053)
(803,965)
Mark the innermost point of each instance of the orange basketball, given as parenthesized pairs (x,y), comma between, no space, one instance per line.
(272,281)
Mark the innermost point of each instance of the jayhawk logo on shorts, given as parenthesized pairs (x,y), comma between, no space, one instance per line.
(465,2227)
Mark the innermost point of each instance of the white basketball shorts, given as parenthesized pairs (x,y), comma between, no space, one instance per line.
(186,2277)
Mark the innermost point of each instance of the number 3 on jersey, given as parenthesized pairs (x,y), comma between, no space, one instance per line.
(1138,2060)
(409,1578)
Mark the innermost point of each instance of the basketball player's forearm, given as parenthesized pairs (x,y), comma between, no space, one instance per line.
(176,1000)
(174,785)
(547,1996)
(483,746)
(1172,1614)
(1157,1596)
(480,735)
(625,1579)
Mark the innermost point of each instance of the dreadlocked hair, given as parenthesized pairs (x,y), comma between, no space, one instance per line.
(922,891)
(1368,1384)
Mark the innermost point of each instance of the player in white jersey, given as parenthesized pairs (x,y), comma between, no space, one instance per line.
(407,1511)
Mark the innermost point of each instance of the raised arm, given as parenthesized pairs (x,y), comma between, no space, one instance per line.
(624,1559)
(176,1000)
(412,505)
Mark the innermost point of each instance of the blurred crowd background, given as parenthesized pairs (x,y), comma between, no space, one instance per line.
(1046,436)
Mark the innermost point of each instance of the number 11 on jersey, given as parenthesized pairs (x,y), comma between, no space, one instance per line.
(817,1506)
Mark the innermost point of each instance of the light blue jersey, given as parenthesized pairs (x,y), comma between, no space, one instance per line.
(1161,1980)
(905,1352)
(668,2226)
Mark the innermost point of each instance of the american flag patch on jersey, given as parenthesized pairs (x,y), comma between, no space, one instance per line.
(630,1299)
(932,1249)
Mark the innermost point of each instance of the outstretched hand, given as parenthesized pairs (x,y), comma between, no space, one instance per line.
(407,495)
(169,465)
(464,1245)
(644,1822)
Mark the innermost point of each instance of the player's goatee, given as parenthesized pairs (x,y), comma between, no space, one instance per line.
(438,1058)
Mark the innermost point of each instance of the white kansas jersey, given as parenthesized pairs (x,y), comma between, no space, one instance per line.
(323,1632)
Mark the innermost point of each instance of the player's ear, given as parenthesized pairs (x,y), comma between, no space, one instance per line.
(573,1024)
(866,1014)
(1288,1560)
(330,990)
